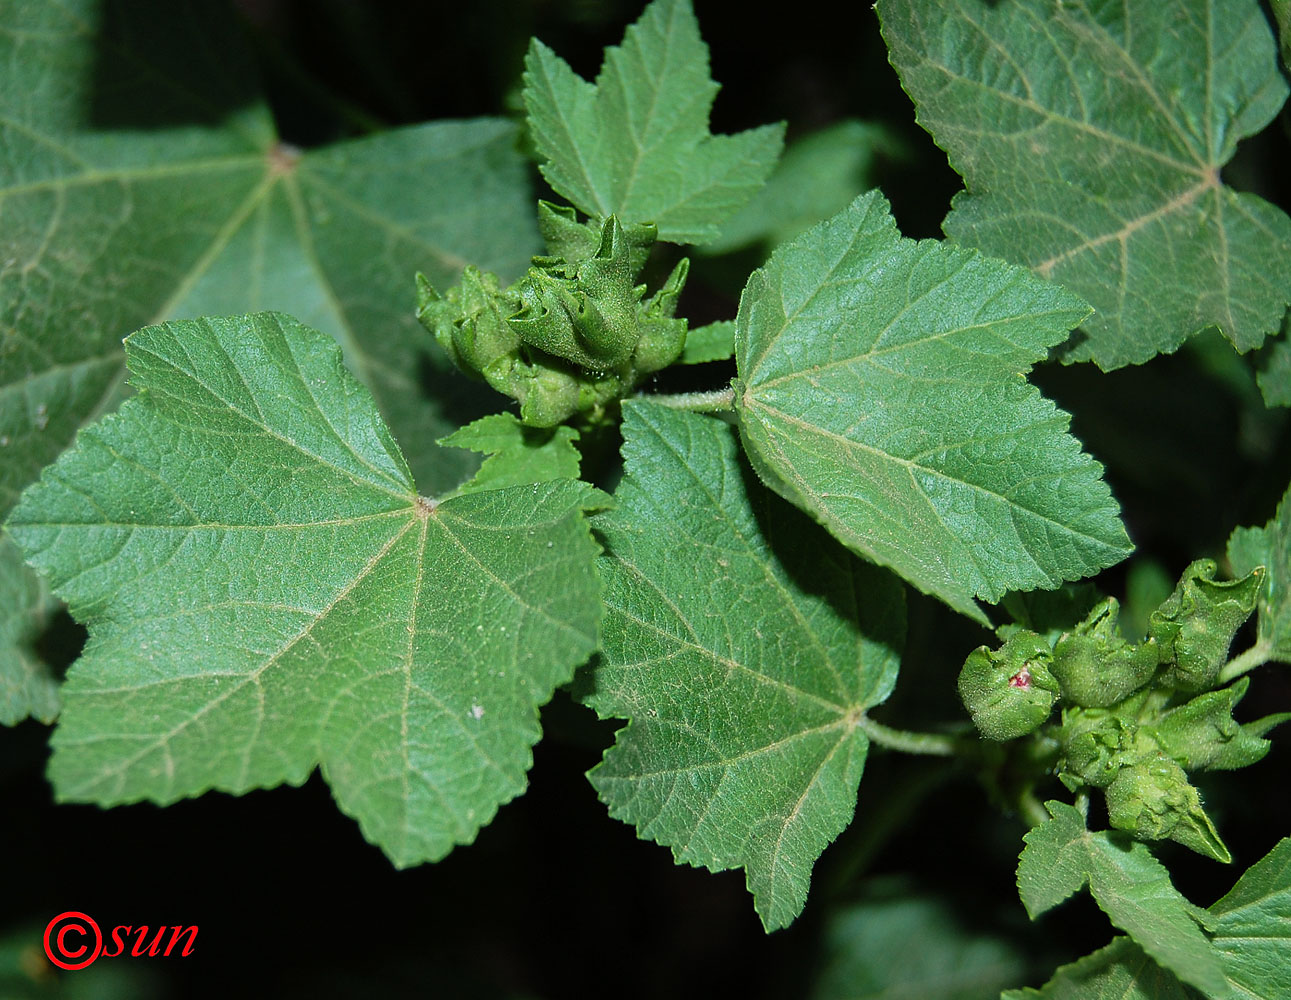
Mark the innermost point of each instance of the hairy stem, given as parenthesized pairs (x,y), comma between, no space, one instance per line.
(937,744)
(698,402)
(1256,656)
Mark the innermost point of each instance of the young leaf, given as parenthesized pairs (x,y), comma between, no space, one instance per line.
(1121,971)
(914,945)
(1130,886)
(636,143)
(744,646)
(1091,138)
(266,592)
(1270,547)
(1253,926)
(713,342)
(27,688)
(882,390)
(819,175)
(518,455)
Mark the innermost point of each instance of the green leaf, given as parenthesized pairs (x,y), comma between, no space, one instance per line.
(1275,379)
(1130,886)
(913,946)
(882,390)
(1252,935)
(714,342)
(141,179)
(1091,137)
(1270,547)
(518,455)
(636,143)
(1282,13)
(27,687)
(819,175)
(1253,926)
(139,182)
(744,646)
(266,592)
(1121,971)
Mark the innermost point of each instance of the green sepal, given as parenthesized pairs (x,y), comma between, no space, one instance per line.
(1153,800)
(663,338)
(1095,666)
(1202,733)
(1195,626)
(1009,692)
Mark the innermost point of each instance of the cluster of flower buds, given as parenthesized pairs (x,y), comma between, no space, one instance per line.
(575,333)
(1132,723)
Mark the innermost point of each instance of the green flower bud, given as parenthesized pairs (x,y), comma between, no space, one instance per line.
(547,395)
(470,321)
(1096,745)
(1153,800)
(1196,624)
(662,337)
(568,239)
(590,318)
(1009,692)
(1095,666)
(1203,733)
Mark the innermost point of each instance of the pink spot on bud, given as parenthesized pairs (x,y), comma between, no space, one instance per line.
(1022,679)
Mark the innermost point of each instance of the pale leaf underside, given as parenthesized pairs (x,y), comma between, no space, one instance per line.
(1091,136)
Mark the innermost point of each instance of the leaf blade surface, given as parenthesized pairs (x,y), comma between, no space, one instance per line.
(743,645)
(1091,138)
(266,593)
(882,390)
(636,143)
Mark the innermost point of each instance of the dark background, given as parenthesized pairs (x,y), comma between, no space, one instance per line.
(555,898)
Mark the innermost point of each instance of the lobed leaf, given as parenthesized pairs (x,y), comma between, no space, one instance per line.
(636,143)
(266,593)
(744,647)
(1128,883)
(518,455)
(141,179)
(881,388)
(1121,971)
(1253,926)
(1270,547)
(1091,136)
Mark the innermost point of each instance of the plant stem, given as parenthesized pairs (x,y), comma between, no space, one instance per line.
(1256,656)
(698,402)
(1031,808)
(937,744)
